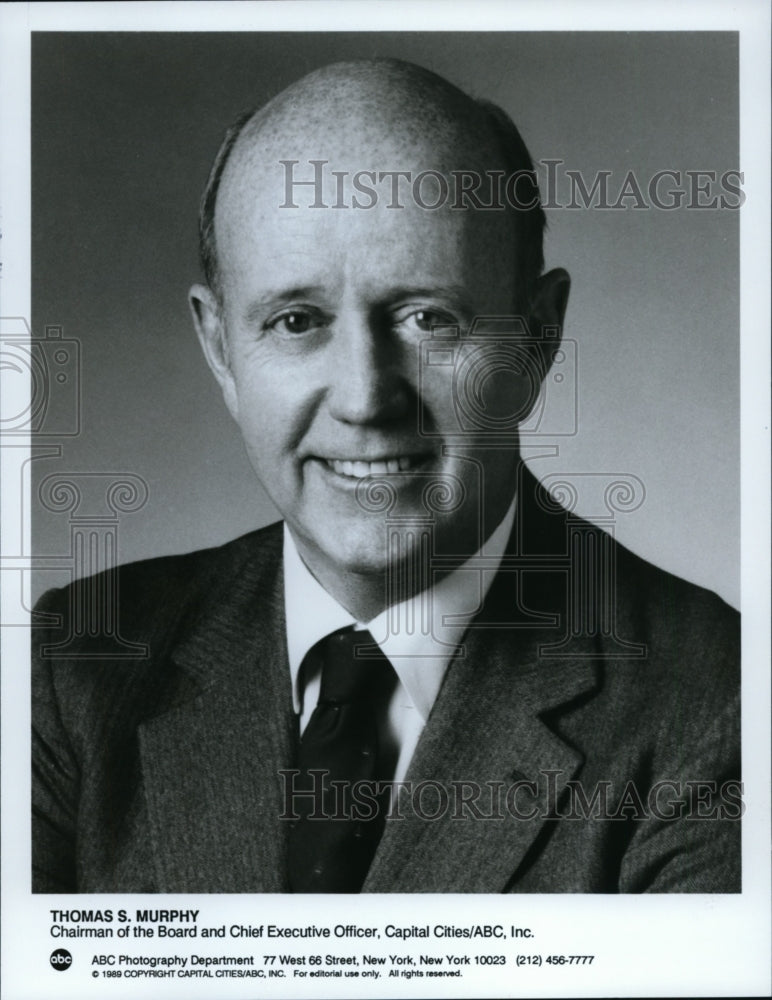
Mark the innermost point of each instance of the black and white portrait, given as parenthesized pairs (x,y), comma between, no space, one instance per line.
(384,521)
(391,539)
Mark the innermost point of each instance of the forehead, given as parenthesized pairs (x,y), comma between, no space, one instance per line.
(267,239)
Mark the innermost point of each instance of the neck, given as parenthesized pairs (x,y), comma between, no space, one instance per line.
(364,596)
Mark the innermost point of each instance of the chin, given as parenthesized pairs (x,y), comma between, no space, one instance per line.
(369,556)
(359,560)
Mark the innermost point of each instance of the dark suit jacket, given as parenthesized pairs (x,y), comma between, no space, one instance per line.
(588,674)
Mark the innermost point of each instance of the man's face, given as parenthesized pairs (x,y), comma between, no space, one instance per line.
(324,312)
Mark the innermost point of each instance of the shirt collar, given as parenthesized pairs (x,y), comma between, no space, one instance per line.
(418,636)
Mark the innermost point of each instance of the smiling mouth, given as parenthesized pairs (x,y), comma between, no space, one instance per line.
(358,469)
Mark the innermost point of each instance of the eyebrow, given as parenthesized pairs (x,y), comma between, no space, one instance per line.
(456,294)
(277,297)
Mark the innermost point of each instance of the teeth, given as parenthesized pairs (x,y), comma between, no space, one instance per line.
(359,470)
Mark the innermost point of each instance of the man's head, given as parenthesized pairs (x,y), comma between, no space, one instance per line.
(322,296)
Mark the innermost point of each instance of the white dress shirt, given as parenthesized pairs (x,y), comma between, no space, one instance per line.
(418,637)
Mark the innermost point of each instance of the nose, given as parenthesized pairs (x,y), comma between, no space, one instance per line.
(367,381)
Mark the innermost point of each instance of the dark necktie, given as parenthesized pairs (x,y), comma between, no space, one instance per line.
(332,845)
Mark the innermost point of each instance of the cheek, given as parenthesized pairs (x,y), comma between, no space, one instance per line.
(274,417)
(265,387)
(484,391)
(508,397)
(436,387)
(496,385)
(261,418)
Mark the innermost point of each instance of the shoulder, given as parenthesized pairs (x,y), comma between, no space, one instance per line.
(601,569)
(149,603)
(155,585)
(104,647)
(673,613)
(609,592)
(679,678)
(201,567)
(666,649)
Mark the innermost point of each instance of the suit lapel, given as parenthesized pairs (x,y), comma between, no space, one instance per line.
(487,730)
(210,764)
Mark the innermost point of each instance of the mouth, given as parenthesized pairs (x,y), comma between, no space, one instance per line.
(361,469)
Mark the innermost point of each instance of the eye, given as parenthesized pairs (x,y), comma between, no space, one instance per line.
(295,322)
(426,319)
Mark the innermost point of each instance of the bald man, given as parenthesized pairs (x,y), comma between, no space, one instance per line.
(430,677)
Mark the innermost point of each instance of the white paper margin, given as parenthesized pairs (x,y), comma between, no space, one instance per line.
(657,946)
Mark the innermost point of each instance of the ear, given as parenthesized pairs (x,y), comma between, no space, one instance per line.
(548,307)
(210,327)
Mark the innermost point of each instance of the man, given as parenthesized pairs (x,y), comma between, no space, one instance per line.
(432,678)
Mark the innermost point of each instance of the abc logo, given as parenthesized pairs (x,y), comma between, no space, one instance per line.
(61,959)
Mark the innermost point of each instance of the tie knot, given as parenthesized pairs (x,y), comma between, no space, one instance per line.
(353,667)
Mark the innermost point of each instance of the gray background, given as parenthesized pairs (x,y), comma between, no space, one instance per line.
(124,129)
